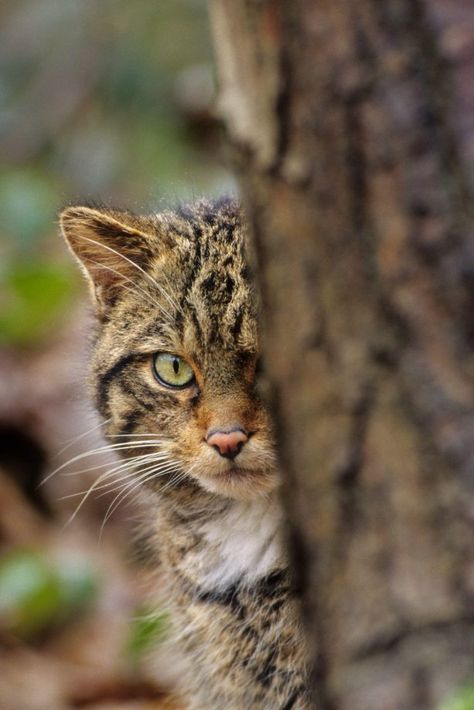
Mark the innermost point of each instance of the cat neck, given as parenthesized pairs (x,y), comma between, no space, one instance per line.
(244,544)
(223,542)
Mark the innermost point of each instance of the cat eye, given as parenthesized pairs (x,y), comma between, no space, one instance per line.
(172,370)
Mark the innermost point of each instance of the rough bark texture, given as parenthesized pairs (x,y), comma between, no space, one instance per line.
(352,125)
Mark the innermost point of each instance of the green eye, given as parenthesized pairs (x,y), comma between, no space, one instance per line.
(172,370)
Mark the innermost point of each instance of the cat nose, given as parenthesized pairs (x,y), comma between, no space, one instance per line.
(228,443)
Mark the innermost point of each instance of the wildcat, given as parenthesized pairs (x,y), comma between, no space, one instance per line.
(174,377)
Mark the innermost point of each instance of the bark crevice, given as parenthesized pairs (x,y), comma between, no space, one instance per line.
(389,644)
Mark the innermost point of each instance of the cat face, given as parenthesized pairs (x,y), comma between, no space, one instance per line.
(174,367)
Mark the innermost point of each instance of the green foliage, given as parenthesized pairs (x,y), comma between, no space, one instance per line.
(93,108)
(78,585)
(34,296)
(29,593)
(463,699)
(36,594)
(113,133)
(146,630)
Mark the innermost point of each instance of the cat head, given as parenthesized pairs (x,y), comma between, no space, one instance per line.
(174,364)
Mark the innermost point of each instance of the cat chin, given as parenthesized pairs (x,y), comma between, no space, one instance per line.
(240,484)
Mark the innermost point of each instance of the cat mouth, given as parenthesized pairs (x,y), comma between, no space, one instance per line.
(238,472)
(235,469)
(240,482)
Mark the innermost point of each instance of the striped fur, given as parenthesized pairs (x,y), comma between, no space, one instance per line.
(179,282)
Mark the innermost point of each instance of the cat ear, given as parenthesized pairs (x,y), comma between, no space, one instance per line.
(111,247)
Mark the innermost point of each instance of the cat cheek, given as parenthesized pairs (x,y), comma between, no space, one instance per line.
(187,441)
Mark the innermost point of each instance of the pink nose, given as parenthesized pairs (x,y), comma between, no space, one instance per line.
(228,443)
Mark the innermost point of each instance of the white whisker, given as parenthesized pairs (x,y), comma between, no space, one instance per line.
(181,475)
(137,477)
(136,266)
(90,490)
(150,434)
(131,464)
(158,455)
(78,438)
(109,448)
(128,489)
(135,287)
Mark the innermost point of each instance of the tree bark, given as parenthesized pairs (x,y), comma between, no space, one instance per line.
(352,128)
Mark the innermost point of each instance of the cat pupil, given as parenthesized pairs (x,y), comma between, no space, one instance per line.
(176,365)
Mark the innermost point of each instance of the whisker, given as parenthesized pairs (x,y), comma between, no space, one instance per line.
(136,266)
(90,490)
(85,497)
(132,464)
(170,298)
(109,448)
(127,490)
(158,455)
(140,434)
(175,480)
(81,436)
(137,477)
(135,287)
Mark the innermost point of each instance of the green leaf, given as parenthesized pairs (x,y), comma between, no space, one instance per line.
(146,630)
(78,584)
(29,593)
(463,699)
(34,296)
(36,594)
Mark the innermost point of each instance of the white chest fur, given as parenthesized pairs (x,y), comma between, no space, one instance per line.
(244,544)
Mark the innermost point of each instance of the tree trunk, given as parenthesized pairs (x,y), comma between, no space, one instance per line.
(352,127)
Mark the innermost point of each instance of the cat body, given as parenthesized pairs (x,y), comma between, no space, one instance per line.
(231,603)
(174,377)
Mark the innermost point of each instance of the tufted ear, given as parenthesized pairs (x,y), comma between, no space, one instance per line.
(111,247)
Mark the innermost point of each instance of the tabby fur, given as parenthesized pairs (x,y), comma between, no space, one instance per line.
(178,282)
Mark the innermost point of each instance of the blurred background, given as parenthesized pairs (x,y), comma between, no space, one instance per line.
(105,101)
